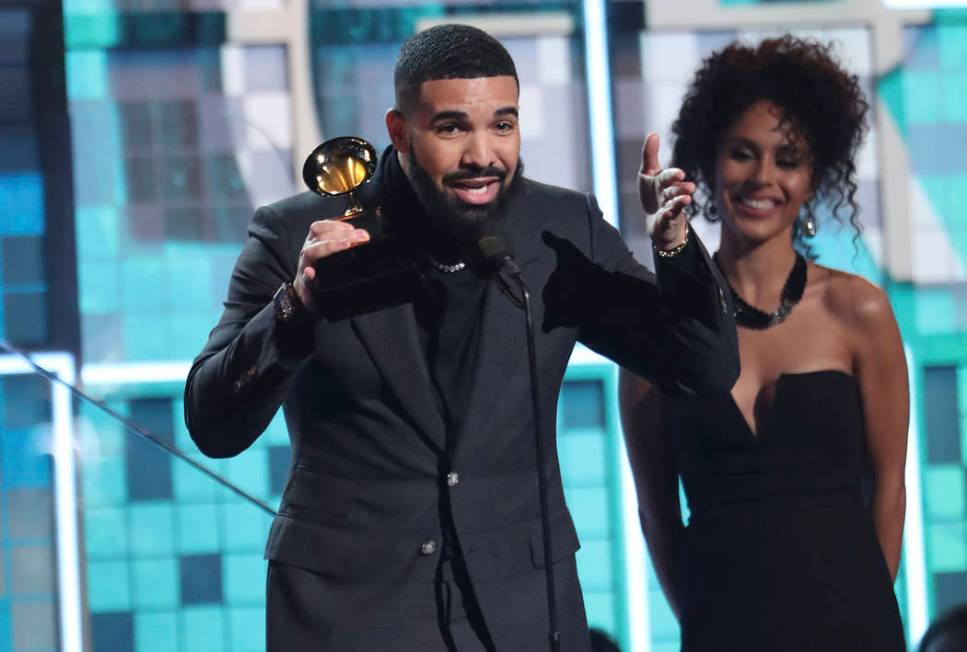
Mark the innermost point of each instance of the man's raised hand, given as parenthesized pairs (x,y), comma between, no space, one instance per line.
(664,195)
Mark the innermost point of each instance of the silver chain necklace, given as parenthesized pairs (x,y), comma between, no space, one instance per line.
(448,269)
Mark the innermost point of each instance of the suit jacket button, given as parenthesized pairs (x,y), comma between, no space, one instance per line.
(243,380)
(453,479)
(428,548)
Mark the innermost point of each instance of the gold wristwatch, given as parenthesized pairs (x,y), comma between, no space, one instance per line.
(286,303)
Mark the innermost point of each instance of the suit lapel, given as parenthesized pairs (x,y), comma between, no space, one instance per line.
(501,340)
(503,332)
(390,337)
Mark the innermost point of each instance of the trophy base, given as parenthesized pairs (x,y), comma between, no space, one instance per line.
(366,278)
(361,264)
(379,273)
(372,295)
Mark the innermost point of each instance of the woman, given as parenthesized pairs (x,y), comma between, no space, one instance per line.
(794,480)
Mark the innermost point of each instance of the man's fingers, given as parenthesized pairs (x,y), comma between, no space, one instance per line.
(359,235)
(675,206)
(351,234)
(670,176)
(325,238)
(323,248)
(671,192)
(313,251)
(649,155)
(681,188)
(668,211)
(320,228)
(656,186)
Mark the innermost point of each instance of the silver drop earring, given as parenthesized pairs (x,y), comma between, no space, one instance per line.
(810,226)
(809,221)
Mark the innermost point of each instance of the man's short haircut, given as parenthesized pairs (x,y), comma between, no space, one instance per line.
(448,52)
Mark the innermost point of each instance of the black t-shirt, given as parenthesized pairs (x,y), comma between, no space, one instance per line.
(448,320)
(448,312)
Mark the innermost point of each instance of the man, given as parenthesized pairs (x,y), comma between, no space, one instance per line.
(411,519)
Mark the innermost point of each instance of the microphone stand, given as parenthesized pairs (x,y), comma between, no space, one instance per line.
(509,266)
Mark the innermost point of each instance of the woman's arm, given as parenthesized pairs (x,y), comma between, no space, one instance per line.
(653,464)
(880,367)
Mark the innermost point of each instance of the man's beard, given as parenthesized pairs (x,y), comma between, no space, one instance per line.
(452,216)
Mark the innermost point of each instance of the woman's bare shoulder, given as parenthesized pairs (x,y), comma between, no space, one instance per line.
(853,300)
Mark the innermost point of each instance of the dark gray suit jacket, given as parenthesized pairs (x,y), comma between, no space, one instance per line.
(367,435)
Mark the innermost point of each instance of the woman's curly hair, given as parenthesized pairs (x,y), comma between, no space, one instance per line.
(819,100)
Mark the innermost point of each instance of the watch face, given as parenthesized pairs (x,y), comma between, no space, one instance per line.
(284,309)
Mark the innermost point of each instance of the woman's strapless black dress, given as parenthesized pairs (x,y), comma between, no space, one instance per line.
(780,553)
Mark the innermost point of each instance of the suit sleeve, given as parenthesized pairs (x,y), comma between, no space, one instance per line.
(675,328)
(238,381)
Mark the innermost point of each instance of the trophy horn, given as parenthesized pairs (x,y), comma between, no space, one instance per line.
(339,167)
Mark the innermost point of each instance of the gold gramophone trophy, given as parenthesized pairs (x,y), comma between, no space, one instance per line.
(340,167)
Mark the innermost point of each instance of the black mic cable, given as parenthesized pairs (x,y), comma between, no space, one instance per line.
(495,250)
